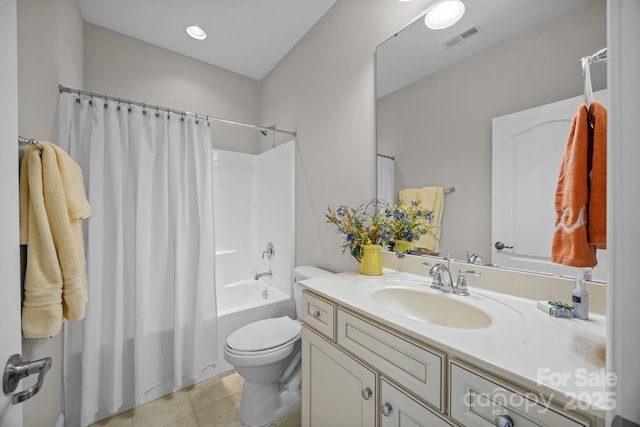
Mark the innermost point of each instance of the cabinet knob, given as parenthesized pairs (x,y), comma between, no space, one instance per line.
(386,410)
(366,393)
(504,421)
(316,314)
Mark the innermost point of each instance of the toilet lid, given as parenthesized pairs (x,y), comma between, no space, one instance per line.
(264,334)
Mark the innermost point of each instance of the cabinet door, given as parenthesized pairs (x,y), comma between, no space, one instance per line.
(337,390)
(399,409)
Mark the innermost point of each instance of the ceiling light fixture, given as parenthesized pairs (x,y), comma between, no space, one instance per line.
(196,32)
(444,14)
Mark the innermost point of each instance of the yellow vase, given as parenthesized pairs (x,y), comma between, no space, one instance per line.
(403,245)
(371,263)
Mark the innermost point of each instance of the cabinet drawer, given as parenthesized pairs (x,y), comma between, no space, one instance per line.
(412,365)
(400,409)
(319,314)
(476,400)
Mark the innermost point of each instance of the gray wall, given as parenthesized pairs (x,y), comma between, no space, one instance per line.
(439,128)
(50,50)
(119,65)
(324,88)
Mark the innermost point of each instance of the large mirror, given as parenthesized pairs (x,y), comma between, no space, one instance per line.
(438,92)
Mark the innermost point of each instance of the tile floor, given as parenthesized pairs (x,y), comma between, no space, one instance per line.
(211,403)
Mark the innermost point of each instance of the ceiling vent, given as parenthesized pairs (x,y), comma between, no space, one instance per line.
(461,37)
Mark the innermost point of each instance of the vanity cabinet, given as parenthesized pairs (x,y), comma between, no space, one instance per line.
(358,372)
(337,390)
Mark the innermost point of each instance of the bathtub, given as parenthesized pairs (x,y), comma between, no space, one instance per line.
(247,295)
(241,303)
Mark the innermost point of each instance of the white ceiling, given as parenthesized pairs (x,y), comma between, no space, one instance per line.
(417,51)
(248,37)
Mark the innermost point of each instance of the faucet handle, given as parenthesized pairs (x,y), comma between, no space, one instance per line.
(461,284)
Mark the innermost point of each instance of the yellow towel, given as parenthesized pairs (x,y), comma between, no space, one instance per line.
(431,198)
(52,206)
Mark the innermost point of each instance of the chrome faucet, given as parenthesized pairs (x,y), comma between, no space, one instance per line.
(259,275)
(473,258)
(441,276)
(443,281)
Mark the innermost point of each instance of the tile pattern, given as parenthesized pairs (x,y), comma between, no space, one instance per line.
(211,403)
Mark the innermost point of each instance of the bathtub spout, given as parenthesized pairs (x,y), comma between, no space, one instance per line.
(259,275)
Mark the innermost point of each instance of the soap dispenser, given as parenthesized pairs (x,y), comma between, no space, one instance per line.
(580,299)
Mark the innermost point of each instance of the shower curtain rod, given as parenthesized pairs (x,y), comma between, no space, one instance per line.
(263,129)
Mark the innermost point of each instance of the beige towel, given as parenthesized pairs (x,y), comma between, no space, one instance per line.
(52,206)
(431,198)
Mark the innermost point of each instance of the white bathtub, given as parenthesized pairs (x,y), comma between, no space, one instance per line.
(241,303)
(247,295)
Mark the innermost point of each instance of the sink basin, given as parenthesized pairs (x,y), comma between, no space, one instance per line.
(437,309)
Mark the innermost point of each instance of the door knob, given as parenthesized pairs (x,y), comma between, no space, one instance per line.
(504,421)
(17,369)
(500,246)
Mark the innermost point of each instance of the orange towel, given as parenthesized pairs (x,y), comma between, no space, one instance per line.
(597,226)
(581,193)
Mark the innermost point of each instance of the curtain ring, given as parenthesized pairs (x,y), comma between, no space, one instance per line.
(129,107)
(157,112)
(197,119)
(91,100)
(106,104)
(118,107)
(144,111)
(182,118)
(168,114)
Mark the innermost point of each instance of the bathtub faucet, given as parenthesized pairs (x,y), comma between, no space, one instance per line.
(259,275)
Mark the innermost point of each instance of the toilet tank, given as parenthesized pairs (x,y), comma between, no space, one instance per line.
(301,273)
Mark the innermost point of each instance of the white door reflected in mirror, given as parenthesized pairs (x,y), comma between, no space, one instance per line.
(528,147)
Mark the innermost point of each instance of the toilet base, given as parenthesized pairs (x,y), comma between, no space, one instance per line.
(263,404)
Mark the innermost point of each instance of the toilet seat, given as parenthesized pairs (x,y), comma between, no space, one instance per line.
(264,336)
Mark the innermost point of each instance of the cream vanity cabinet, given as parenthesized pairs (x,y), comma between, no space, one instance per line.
(339,389)
(358,373)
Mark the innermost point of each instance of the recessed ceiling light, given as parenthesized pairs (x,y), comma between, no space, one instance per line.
(196,32)
(444,14)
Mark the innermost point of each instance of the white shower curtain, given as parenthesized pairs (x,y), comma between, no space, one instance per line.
(386,179)
(150,325)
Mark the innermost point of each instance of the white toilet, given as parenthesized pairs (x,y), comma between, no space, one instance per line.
(267,353)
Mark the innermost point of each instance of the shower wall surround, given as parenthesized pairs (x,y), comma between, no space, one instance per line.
(253,206)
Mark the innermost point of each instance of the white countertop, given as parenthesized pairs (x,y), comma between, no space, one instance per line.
(551,357)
